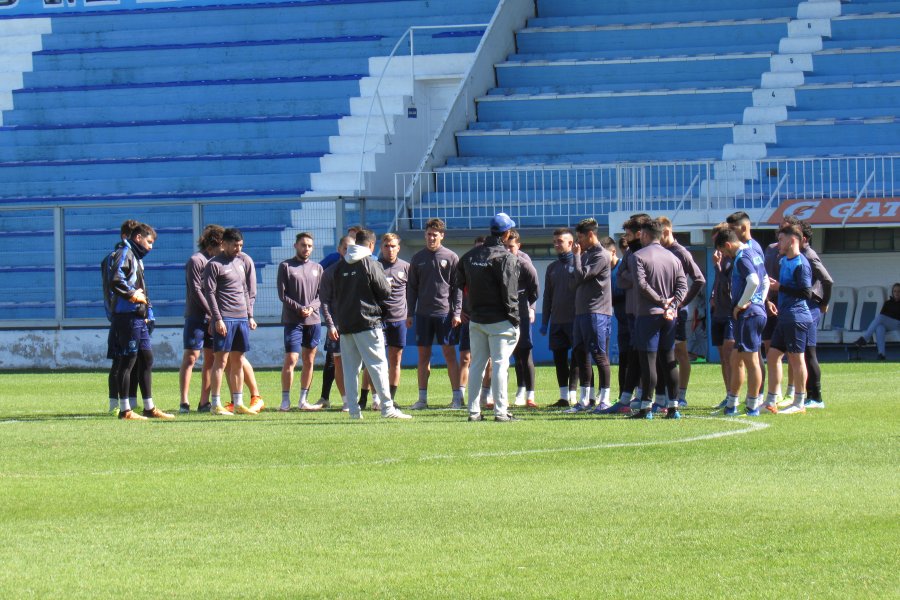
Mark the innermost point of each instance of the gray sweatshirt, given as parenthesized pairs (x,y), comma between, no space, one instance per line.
(559,302)
(590,280)
(298,288)
(195,304)
(225,288)
(397,274)
(432,290)
(660,280)
(691,269)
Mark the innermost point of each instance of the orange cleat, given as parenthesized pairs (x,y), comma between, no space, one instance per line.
(257,404)
(130,415)
(155,413)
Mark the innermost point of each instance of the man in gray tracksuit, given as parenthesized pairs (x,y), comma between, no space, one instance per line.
(359,289)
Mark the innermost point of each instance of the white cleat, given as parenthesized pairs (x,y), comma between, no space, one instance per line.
(420,405)
(393,413)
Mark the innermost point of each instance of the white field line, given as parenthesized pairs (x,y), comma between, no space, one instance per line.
(750,427)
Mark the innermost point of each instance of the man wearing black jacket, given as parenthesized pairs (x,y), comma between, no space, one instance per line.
(490,274)
(360,288)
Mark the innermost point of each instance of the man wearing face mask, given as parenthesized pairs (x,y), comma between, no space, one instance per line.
(132,319)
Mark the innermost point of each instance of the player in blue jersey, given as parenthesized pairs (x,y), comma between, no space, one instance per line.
(749,288)
(794,287)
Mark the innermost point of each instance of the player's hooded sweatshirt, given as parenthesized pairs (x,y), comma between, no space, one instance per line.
(359,289)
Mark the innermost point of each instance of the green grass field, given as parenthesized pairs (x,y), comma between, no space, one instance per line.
(312,505)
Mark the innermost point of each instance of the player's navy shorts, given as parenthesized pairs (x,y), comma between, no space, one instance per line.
(465,341)
(592,331)
(748,332)
(436,330)
(196,335)
(561,336)
(299,336)
(791,337)
(236,338)
(653,333)
(681,325)
(813,337)
(722,329)
(769,329)
(395,334)
(131,334)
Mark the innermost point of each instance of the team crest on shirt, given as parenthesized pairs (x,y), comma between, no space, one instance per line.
(444,263)
(571,268)
(401,275)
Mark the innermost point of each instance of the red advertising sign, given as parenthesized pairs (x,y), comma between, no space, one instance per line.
(868,211)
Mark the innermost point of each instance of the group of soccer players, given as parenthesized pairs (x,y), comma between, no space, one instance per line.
(765,304)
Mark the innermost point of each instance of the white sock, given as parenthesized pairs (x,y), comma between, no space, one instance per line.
(462,393)
(113,403)
(682,394)
(520,393)
(148,404)
(771,398)
(638,393)
(790,392)
(799,398)
(572,396)
(132,402)
(238,398)
(625,398)
(124,406)
(585,395)
(304,394)
(285,397)
(344,400)
(593,393)
(604,396)
(215,400)
(457,395)
(731,401)
(423,395)
(751,403)
(530,395)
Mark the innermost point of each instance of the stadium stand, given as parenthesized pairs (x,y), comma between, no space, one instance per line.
(175,104)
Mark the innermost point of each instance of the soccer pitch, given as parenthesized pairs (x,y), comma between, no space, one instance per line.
(313,505)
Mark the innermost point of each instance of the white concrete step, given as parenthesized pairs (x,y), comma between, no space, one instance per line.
(16,44)
(819,9)
(743,151)
(775,97)
(348,144)
(331,163)
(392,105)
(432,65)
(792,79)
(336,183)
(722,188)
(749,134)
(25,26)
(759,115)
(788,63)
(809,28)
(734,169)
(11,81)
(357,126)
(16,62)
(391,85)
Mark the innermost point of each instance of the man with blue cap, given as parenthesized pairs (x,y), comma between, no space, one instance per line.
(490,274)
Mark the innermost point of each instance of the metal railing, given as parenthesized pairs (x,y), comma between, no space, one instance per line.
(561,195)
(376,96)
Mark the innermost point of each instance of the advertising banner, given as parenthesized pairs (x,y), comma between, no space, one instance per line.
(829,211)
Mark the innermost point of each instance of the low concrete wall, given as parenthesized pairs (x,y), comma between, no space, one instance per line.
(86,348)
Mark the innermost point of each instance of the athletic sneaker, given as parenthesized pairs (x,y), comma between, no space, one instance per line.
(658,408)
(814,404)
(230,407)
(488,405)
(456,405)
(682,403)
(204,408)
(257,404)
(184,408)
(771,407)
(731,411)
(754,412)
(478,417)
(355,416)
(578,408)
(530,404)
(285,406)
(130,415)
(221,411)
(420,405)
(793,409)
(616,409)
(393,413)
(376,405)
(782,402)
(561,403)
(722,406)
(519,402)
(323,403)
(155,413)
(672,413)
(643,413)
(307,407)
(240,409)
(345,407)
(506,418)
(860,342)
(601,409)
(114,411)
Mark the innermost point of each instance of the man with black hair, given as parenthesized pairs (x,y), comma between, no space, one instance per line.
(662,286)
(794,287)
(629,357)
(528,295)
(593,311)
(491,275)
(196,336)
(558,316)
(225,287)
(112,352)
(749,289)
(360,290)
(298,282)
(818,306)
(132,320)
(722,324)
